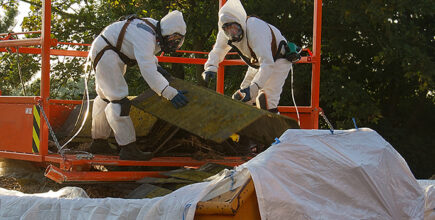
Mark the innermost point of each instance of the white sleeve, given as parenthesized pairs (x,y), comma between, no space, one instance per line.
(217,54)
(249,76)
(260,40)
(147,62)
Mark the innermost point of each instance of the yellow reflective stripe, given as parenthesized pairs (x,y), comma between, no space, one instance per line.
(36,115)
(36,138)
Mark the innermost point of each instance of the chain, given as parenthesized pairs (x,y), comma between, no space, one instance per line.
(327,121)
(51,131)
(19,70)
(80,154)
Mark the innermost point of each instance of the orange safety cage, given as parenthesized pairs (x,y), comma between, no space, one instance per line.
(24,132)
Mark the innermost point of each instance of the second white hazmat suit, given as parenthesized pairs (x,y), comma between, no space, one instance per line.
(141,43)
(269,78)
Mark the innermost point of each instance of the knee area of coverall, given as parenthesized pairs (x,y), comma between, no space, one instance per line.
(262,103)
(113,112)
(122,106)
(125,106)
(98,106)
(261,100)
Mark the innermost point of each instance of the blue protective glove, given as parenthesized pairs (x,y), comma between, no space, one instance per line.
(246,94)
(179,100)
(242,95)
(208,75)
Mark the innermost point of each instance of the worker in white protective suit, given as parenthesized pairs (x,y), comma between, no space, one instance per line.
(260,45)
(130,41)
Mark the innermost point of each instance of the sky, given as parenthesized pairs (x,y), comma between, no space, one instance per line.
(23,10)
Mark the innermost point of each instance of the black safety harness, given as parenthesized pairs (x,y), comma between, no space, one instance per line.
(128,61)
(276,51)
(125,105)
(124,102)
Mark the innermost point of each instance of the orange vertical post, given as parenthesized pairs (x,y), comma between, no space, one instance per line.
(221,69)
(220,79)
(45,74)
(315,82)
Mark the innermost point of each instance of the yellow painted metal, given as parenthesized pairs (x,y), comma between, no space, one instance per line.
(238,204)
(142,121)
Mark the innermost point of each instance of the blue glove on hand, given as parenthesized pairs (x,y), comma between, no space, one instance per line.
(246,94)
(179,100)
(208,75)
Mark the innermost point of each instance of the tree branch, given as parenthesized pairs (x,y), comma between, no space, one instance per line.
(52,8)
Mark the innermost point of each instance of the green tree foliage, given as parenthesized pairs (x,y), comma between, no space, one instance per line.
(377,66)
(9,75)
(10,13)
(377,58)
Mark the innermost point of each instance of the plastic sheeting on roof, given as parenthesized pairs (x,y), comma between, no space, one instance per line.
(352,174)
(68,192)
(310,174)
(429,191)
(71,202)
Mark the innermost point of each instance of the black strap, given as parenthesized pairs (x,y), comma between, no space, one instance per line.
(125,105)
(99,55)
(273,110)
(117,49)
(273,44)
(244,58)
(250,62)
(273,47)
(149,24)
(122,56)
(278,53)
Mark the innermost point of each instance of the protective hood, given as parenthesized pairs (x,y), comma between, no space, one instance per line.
(232,11)
(173,22)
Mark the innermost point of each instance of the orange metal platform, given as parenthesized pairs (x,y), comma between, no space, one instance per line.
(24,133)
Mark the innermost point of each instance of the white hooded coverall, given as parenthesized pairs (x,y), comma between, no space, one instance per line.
(270,77)
(140,44)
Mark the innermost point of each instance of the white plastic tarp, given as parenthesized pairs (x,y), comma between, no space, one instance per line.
(72,202)
(172,206)
(310,174)
(66,192)
(352,174)
(429,191)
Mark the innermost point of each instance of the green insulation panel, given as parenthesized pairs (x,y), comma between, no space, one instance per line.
(213,116)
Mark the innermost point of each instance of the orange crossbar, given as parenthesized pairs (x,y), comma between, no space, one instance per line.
(62,176)
(71,160)
(16,33)
(65,172)
(69,102)
(21,156)
(21,42)
(77,44)
(19,99)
